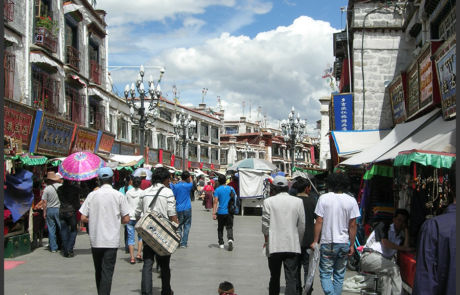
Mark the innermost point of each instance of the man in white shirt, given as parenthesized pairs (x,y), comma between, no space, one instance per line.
(380,250)
(336,221)
(283,226)
(164,204)
(103,210)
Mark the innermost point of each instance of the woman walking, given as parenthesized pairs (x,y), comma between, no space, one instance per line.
(69,197)
(133,196)
(208,194)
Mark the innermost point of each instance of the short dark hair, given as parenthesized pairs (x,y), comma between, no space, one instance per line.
(222,179)
(338,182)
(137,182)
(185,175)
(300,184)
(402,212)
(225,287)
(107,180)
(160,175)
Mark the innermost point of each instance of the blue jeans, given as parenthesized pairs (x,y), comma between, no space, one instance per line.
(333,262)
(52,221)
(132,233)
(185,221)
(68,231)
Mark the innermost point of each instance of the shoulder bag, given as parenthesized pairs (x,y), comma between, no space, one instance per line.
(157,231)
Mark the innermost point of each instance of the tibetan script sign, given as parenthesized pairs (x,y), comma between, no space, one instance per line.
(55,136)
(115,148)
(127,149)
(106,143)
(426,81)
(85,140)
(18,121)
(446,69)
(397,97)
(342,105)
(413,90)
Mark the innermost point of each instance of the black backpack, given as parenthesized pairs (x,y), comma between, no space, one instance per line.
(233,206)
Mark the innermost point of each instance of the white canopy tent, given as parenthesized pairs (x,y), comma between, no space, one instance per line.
(399,133)
(348,143)
(437,136)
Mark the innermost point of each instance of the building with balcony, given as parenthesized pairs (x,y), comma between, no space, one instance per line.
(244,139)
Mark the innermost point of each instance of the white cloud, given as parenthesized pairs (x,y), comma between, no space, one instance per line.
(276,70)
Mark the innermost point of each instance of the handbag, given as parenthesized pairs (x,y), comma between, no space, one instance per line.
(157,231)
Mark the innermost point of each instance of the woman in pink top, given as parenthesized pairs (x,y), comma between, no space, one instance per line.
(208,194)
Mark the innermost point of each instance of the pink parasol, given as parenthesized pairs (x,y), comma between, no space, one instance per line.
(80,166)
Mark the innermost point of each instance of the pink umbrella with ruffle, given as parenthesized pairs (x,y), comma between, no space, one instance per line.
(80,166)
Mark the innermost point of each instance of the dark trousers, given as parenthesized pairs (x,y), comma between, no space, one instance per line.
(303,262)
(69,232)
(291,264)
(227,221)
(163,262)
(104,263)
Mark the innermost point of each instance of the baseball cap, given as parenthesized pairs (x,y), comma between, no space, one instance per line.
(105,172)
(280,181)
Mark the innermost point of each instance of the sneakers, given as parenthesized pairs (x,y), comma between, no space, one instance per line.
(221,246)
(230,245)
(53,251)
(183,246)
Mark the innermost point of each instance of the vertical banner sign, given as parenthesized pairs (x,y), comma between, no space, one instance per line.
(172,160)
(397,97)
(413,90)
(343,111)
(160,157)
(426,79)
(312,154)
(446,69)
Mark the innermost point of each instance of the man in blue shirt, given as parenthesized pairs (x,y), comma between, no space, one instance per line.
(220,212)
(182,191)
(435,269)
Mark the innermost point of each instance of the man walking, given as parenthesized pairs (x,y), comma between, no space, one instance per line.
(51,205)
(381,248)
(220,212)
(283,226)
(336,221)
(303,188)
(103,210)
(165,204)
(182,191)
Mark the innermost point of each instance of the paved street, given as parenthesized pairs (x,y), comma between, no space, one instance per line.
(195,270)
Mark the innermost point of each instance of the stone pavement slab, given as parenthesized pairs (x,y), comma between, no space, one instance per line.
(197,269)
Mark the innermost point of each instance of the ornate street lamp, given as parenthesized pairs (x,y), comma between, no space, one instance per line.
(146,116)
(183,129)
(293,131)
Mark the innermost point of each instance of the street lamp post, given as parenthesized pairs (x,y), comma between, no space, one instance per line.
(146,116)
(293,131)
(183,128)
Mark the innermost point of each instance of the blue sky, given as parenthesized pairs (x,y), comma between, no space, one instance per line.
(260,53)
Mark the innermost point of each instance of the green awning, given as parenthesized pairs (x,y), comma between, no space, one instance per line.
(310,171)
(30,159)
(437,160)
(386,171)
(129,168)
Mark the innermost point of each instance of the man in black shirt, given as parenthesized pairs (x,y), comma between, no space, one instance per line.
(303,187)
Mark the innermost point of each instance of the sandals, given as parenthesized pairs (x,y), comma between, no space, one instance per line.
(132,261)
(139,258)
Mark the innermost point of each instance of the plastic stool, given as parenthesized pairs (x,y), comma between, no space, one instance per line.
(374,290)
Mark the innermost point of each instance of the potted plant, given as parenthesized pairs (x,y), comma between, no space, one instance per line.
(47,23)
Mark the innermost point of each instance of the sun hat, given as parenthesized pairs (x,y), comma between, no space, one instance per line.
(51,175)
(280,181)
(105,172)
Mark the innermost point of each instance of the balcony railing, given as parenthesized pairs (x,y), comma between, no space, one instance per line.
(8,10)
(46,95)
(73,57)
(44,38)
(95,72)
(9,61)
